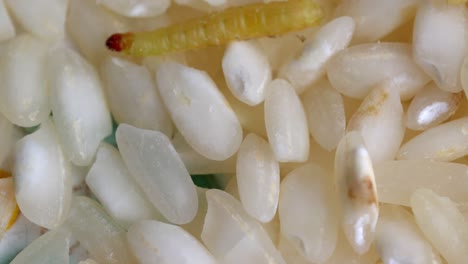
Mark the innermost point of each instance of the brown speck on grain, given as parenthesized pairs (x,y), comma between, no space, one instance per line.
(363,190)
(376,105)
(351,193)
(82,188)
(370,108)
(369,185)
(43,230)
(73,247)
(447,152)
(148,244)
(4,174)
(457,98)
(301,38)
(373,107)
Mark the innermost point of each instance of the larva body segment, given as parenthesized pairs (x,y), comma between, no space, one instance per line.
(237,23)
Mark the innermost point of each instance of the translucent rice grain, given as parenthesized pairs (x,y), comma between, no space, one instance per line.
(357,192)
(233,236)
(97,232)
(157,168)
(7,29)
(398,239)
(8,162)
(9,134)
(82,21)
(42,178)
(10,210)
(442,224)
(157,242)
(380,120)
(397,180)
(307,211)
(23,97)
(116,189)
(439,42)
(50,248)
(199,111)
(139,8)
(196,164)
(344,253)
(430,107)
(325,114)
(290,253)
(272,229)
(356,70)
(74,83)
(286,123)
(247,71)
(373,19)
(77,251)
(45,18)
(445,142)
(133,97)
(309,67)
(195,227)
(20,235)
(257,170)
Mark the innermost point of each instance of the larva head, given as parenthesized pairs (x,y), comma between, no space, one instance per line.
(120,42)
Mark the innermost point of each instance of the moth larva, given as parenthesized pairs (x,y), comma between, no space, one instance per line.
(236,23)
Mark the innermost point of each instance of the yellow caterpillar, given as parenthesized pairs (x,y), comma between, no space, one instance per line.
(236,23)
